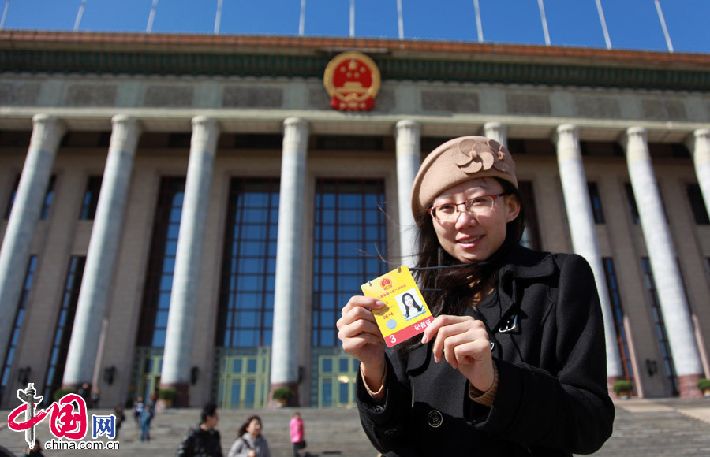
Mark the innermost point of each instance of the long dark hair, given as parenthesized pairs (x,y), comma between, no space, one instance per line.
(450,290)
(243,427)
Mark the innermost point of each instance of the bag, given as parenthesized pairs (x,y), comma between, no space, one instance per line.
(300,444)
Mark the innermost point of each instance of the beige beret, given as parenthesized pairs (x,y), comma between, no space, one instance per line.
(456,161)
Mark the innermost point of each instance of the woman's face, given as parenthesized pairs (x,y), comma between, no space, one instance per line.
(408,300)
(469,238)
(254,427)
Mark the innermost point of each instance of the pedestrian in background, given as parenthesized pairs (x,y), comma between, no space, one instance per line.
(298,433)
(250,442)
(203,440)
(138,409)
(146,418)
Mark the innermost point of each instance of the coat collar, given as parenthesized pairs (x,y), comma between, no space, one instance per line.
(520,266)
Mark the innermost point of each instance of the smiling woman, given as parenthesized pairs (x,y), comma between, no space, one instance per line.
(514,362)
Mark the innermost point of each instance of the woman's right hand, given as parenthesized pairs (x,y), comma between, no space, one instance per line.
(361,338)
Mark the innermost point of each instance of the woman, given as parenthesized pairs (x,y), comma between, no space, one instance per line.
(514,362)
(298,433)
(251,443)
(408,302)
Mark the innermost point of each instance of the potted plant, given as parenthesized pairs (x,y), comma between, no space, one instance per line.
(282,395)
(167,396)
(704,386)
(623,388)
(59,393)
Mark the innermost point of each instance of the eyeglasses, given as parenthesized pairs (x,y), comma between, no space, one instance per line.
(448,213)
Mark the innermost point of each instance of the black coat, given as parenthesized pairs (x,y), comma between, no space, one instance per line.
(201,443)
(552,397)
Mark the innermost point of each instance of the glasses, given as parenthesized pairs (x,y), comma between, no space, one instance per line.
(448,213)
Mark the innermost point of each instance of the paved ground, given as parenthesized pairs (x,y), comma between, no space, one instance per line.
(644,428)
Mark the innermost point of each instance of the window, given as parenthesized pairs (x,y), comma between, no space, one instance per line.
(91,198)
(17,325)
(46,204)
(617,313)
(596,203)
(63,327)
(249,264)
(531,235)
(697,204)
(631,201)
(350,231)
(659,325)
(161,263)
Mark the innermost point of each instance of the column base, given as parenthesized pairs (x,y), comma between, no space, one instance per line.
(688,386)
(181,397)
(84,390)
(286,395)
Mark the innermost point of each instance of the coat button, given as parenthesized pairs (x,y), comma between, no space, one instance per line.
(434,418)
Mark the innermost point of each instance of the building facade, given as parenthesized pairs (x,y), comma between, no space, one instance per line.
(189,211)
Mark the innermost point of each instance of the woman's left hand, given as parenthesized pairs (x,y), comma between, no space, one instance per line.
(463,342)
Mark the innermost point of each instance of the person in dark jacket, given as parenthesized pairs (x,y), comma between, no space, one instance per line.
(203,440)
(514,364)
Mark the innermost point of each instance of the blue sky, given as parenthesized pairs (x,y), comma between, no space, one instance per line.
(633,24)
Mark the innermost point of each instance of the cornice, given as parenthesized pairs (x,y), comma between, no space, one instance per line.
(273,56)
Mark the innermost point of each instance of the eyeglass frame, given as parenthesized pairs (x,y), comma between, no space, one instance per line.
(432,209)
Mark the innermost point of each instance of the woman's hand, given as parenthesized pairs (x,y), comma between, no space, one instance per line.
(361,337)
(463,342)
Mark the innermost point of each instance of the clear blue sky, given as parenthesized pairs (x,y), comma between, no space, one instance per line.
(633,24)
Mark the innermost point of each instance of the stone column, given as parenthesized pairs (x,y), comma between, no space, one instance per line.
(288,294)
(700,148)
(102,253)
(496,131)
(47,131)
(408,159)
(583,232)
(662,256)
(177,355)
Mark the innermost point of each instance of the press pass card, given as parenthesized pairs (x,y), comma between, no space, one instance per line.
(405,314)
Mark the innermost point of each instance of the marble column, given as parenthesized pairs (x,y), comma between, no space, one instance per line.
(700,148)
(662,256)
(102,253)
(177,355)
(288,295)
(583,232)
(496,131)
(408,159)
(47,131)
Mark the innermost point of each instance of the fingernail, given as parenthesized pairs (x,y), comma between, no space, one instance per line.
(379,304)
(424,339)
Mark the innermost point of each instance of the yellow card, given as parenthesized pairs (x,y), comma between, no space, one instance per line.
(405,314)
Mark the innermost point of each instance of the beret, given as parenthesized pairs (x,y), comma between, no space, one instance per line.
(457,161)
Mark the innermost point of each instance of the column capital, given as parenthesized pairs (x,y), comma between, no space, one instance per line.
(43,120)
(125,119)
(496,131)
(566,130)
(637,132)
(205,122)
(701,133)
(494,126)
(297,122)
(408,124)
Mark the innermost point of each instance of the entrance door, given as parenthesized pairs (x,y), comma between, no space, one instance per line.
(149,363)
(243,378)
(335,378)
